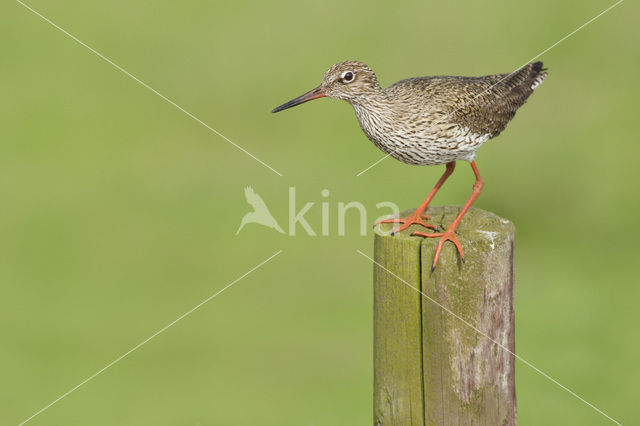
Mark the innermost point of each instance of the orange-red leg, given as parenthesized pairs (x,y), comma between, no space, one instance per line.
(418,217)
(450,233)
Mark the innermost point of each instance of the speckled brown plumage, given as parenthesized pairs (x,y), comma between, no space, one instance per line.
(430,120)
(483,104)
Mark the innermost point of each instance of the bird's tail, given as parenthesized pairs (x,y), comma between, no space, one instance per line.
(537,74)
(527,78)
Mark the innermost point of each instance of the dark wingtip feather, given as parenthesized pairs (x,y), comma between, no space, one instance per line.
(538,67)
(537,75)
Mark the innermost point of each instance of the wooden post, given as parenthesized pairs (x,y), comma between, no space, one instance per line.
(430,368)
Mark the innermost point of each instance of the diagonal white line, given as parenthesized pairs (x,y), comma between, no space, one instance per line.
(373,165)
(133,77)
(465,322)
(149,338)
(575,31)
(509,75)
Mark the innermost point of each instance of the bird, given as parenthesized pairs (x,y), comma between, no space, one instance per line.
(260,213)
(427,121)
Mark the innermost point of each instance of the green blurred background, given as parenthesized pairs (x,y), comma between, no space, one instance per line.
(119,212)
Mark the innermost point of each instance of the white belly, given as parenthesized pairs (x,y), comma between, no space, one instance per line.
(431,144)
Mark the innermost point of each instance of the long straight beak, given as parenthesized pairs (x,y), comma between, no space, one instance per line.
(316,93)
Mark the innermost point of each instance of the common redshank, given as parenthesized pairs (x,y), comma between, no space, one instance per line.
(429,120)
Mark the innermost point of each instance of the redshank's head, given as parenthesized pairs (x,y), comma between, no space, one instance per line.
(349,81)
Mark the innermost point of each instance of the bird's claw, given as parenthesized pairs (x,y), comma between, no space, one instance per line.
(405,222)
(448,235)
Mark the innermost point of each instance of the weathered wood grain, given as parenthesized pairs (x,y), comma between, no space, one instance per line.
(430,368)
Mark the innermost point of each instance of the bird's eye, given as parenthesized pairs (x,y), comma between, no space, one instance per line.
(347,76)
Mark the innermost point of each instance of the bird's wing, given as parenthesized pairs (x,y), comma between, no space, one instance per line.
(483,104)
(490,102)
(254,199)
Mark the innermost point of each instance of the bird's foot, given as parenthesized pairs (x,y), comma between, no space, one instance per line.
(405,222)
(448,235)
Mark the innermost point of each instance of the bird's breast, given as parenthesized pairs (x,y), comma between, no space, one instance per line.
(424,139)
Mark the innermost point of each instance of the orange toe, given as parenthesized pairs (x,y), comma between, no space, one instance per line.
(448,235)
(406,222)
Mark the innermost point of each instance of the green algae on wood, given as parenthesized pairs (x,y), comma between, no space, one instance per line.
(430,367)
